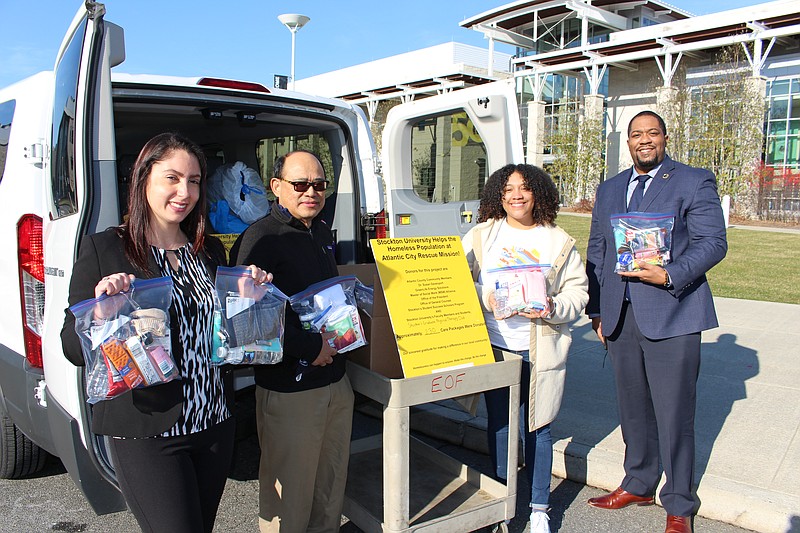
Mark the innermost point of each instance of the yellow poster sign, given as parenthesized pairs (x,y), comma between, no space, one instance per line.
(227,239)
(433,306)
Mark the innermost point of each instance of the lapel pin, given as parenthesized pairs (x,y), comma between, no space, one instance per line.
(664,176)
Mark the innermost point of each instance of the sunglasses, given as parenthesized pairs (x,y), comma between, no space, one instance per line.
(302,186)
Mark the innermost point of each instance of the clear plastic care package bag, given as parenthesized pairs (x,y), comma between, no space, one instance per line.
(642,238)
(126,339)
(365,297)
(249,320)
(519,288)
(330,305)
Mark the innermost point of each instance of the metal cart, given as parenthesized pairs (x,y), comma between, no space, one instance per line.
(397,483)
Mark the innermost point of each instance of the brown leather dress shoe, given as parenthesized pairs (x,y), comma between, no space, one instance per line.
(678,524)
(619,499)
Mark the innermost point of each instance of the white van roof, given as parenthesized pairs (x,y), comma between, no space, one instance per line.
(190,82)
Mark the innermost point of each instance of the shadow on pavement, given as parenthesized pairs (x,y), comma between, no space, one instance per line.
(725,367)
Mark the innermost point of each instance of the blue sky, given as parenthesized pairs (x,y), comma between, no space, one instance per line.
(243,39)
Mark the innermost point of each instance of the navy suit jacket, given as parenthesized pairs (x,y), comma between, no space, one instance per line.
(698,243)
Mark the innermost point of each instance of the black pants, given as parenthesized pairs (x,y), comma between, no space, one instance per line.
(656,396)
(174,484)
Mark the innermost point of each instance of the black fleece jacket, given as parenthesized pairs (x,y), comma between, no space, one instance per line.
(297,257)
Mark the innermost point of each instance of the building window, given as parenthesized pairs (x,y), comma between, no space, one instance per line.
(563,97)
(560,36)
(645,21)
(781,181)
(783,124)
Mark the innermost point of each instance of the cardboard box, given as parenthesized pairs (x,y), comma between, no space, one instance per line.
(380,354)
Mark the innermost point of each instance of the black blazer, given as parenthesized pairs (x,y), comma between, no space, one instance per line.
(142,412)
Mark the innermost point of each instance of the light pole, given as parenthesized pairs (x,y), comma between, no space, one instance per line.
(294,22)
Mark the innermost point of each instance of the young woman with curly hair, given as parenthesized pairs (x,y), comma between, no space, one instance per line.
(516,227)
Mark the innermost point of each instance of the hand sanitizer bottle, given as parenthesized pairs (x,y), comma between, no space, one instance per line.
(501,300)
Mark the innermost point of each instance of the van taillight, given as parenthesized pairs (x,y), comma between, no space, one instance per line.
(31,285)
(380,225)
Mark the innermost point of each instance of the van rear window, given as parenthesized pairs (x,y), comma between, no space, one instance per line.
(448,159)
(63,178)
(6,117)
(270,149)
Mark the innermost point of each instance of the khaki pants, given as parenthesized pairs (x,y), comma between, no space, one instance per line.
(305,450)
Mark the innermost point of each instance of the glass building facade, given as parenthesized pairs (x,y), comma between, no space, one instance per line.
(562,94)
(783,124)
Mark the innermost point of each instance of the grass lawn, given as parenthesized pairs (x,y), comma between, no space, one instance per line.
(760,265)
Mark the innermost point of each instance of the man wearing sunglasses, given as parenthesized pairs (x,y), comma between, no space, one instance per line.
(304,405)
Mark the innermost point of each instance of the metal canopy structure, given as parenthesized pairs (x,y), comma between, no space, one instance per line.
(674,33)
(517,14)
(407,91)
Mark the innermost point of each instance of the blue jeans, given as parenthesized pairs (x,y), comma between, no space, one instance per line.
(537,445)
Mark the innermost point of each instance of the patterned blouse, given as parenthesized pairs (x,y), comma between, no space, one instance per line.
(193,302)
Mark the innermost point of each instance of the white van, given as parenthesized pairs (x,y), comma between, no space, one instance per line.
(68,138)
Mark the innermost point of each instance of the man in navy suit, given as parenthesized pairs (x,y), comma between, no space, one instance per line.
(650,319)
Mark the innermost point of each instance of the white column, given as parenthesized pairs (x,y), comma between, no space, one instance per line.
(584,30)
(294,35)
(490,66)
(594,76)
(593,106)
(372,107)
(759,56)
(669,67)
(664,97)
(534,154)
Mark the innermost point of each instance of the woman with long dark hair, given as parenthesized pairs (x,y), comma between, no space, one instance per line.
(171,443)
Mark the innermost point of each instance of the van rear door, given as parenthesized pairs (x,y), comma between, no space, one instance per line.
(81,198)
(438,152)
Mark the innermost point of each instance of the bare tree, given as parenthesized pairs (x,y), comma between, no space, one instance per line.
(577,144)
(719,125)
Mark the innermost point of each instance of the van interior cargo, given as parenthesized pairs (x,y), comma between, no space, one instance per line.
(255,132)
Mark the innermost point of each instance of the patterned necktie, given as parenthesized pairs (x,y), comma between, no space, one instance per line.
(638,193)
(633,205)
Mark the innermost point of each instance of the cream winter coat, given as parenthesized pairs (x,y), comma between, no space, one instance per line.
(550,338)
